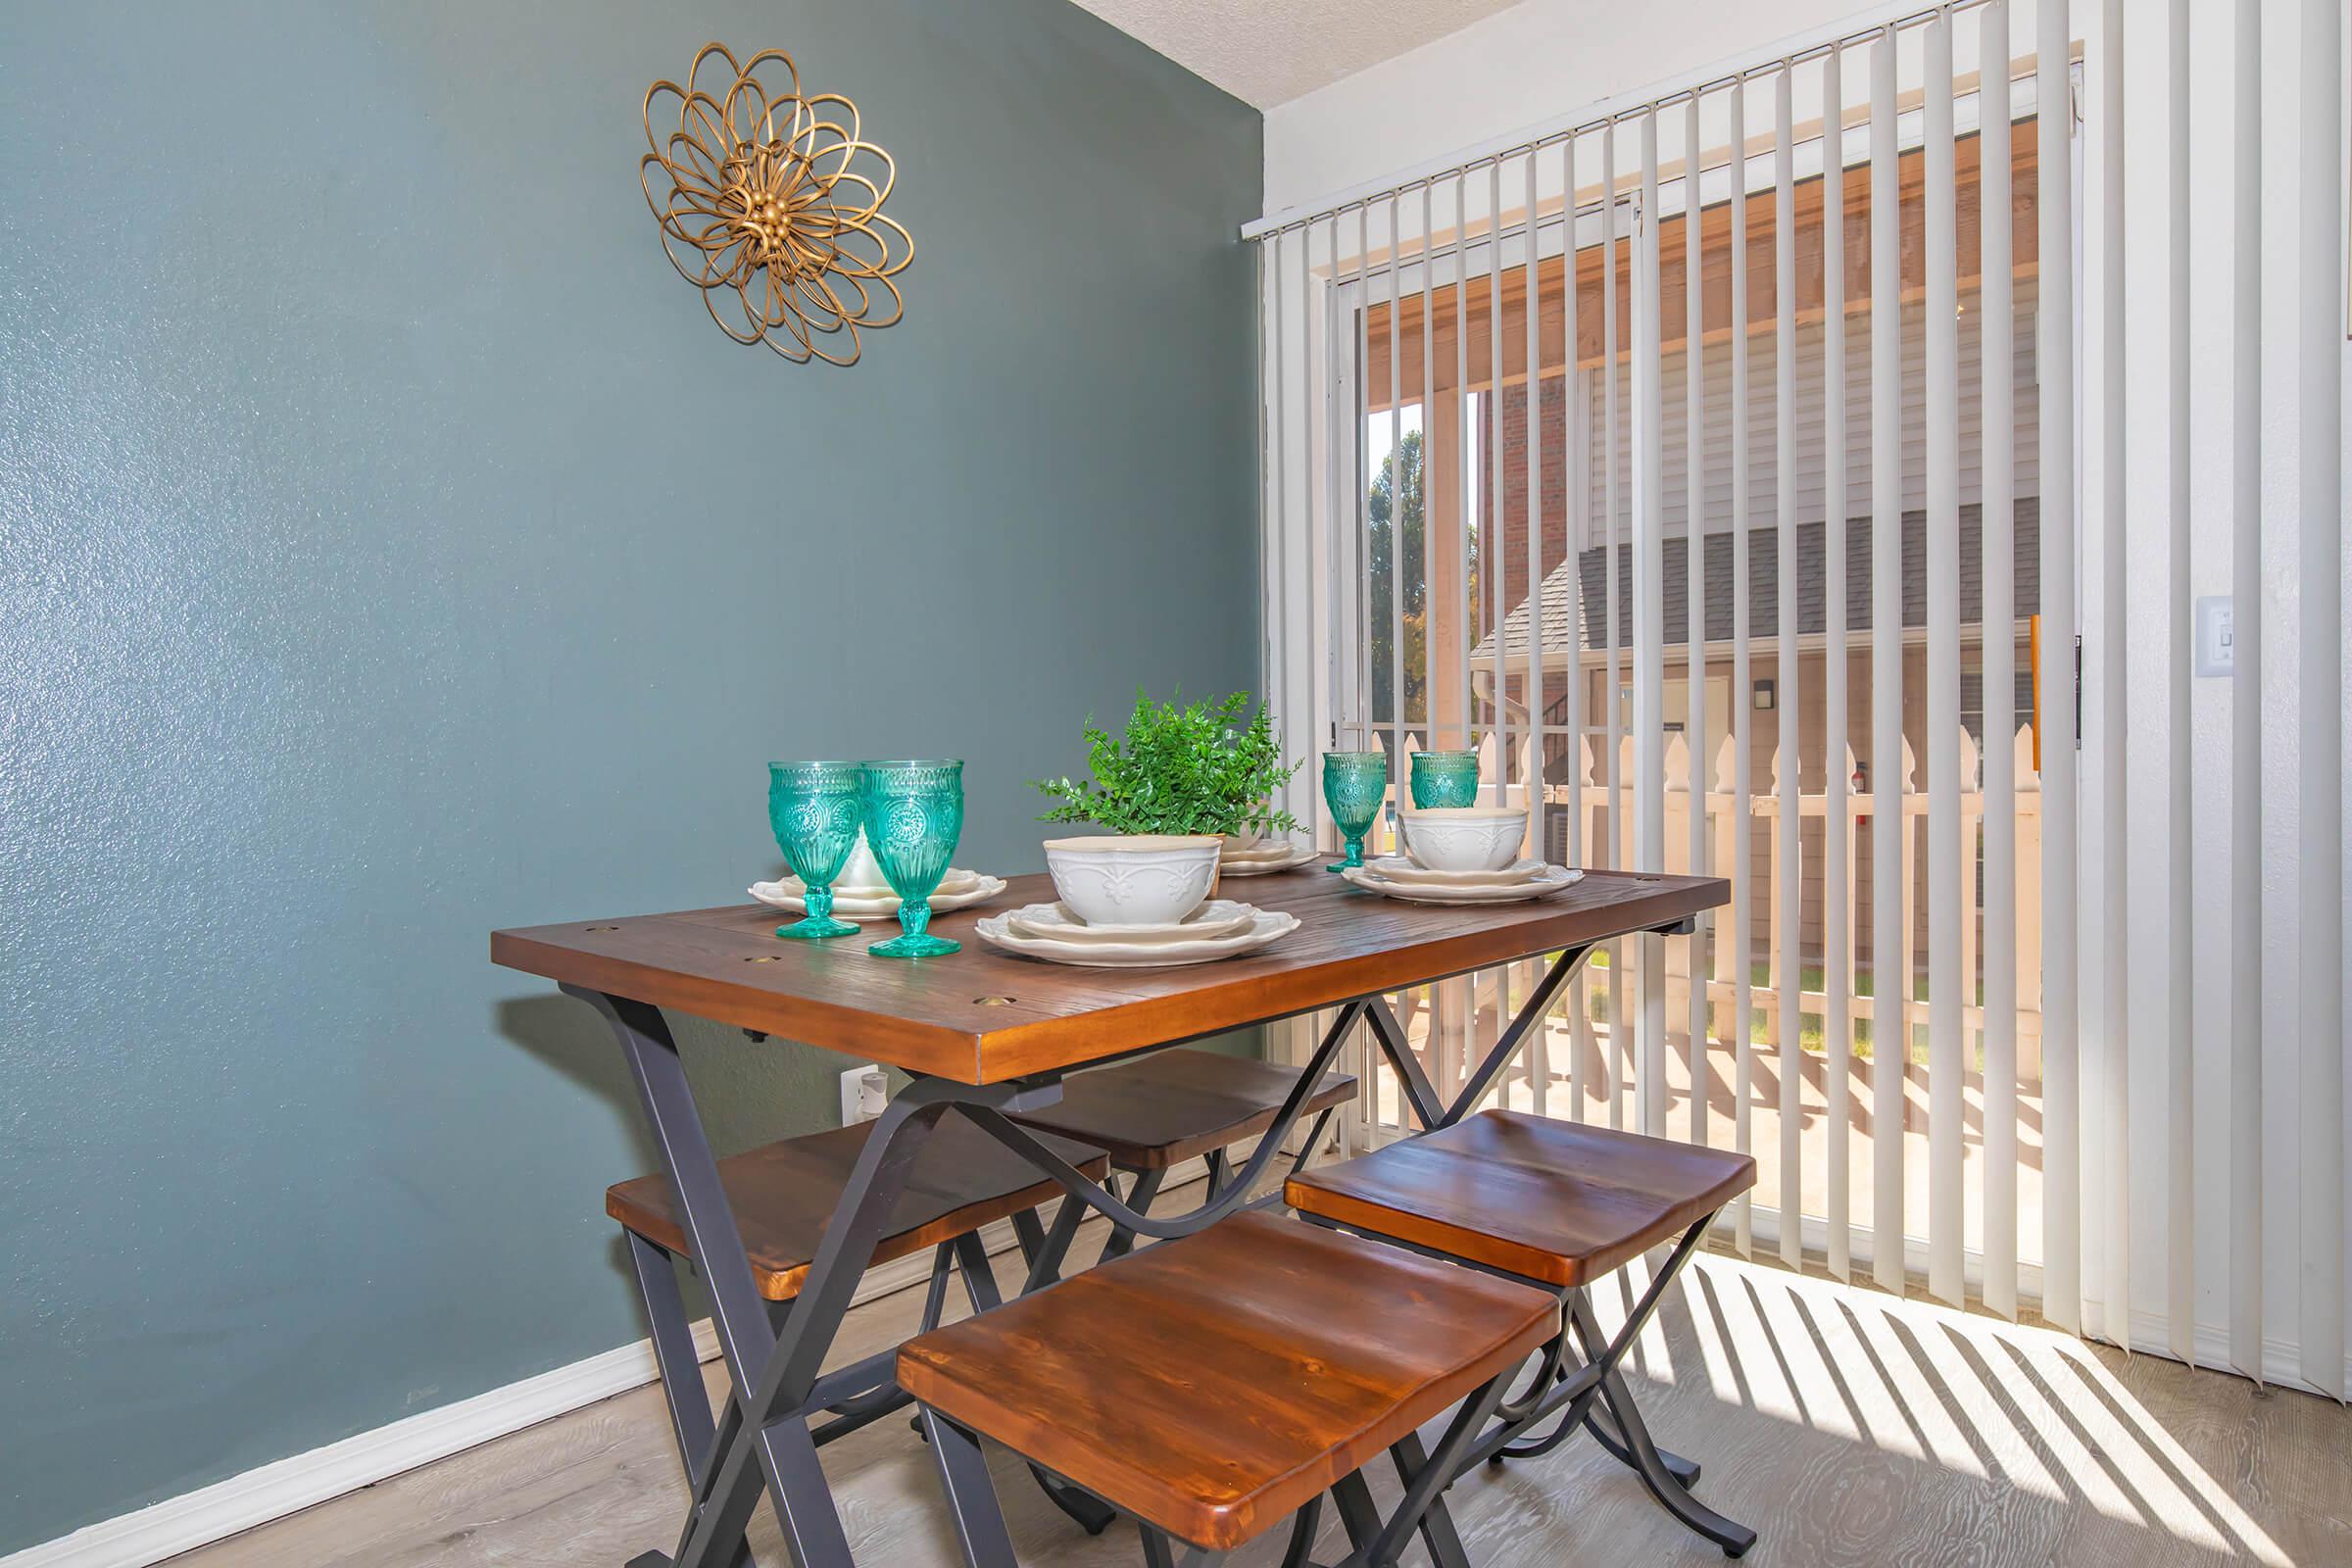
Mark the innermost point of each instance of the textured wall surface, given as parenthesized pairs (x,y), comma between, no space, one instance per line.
(391,547)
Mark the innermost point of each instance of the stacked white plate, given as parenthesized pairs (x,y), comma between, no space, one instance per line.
(1263,856)
(958,887)
(1400,878)
(1220,929)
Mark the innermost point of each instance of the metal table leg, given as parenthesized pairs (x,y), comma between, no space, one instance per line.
(1428,1107)
(762,1441)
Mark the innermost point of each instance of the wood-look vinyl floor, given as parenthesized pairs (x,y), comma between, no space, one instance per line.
(1845,1425)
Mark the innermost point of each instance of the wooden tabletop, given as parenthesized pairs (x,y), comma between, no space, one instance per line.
(983,1017)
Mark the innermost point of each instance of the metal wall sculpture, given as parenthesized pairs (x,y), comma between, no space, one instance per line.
(770,203)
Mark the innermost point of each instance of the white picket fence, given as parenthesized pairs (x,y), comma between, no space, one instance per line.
(1722,805)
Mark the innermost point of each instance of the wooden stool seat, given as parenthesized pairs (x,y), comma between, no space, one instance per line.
(783,1194)
(1215,1385)
(1172,1105)
(1551,1200)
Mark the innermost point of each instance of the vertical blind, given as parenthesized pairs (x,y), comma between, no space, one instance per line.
(1717,463)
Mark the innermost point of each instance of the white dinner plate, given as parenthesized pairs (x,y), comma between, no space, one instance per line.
(1270,926)
(1259,862)
(955,879)
(1555,879)
(1054,922)
(787,895)
(1398,868)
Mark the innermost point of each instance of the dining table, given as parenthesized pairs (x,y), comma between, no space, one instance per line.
(989,1036)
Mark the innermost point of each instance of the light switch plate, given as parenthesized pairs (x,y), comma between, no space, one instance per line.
(2217,644)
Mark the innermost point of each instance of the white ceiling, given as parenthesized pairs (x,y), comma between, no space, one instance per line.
(1268,52)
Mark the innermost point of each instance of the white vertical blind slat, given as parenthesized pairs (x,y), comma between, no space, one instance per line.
(1946,1055)
(1268,469)
(1299,688)
(1395,467)
(1429,489)
(1836,872)
(2114,1113)
(1538,1045)
(1490,528)
(1695,623)
(2054,367)
(1450,1006)
(1337,494)
(1429,501)
(1997,537)
(1358,437)
(1535,562)
(1581,1017)
(1490,555)
(2319,862)
(1743,1063)
(1273,535)
(1612,535)
(1650,616)
(2181,1191)
(1787,959)
(1461,499)
(1890,986)
(2245,699)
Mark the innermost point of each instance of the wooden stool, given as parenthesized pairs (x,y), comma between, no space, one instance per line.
(783,1195)
(1557,1204)
(1158,1111)
(1212,1386)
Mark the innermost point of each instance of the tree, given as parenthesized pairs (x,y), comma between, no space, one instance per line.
(1392,525)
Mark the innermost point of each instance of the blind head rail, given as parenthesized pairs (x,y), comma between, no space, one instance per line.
(1616,109)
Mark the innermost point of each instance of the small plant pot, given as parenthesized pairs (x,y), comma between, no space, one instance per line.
(1134,879)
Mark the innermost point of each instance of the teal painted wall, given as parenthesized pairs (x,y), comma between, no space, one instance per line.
(391,547)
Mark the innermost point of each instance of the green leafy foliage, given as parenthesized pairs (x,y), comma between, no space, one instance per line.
(1190,768)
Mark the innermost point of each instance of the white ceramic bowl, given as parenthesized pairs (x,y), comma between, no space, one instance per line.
(1133,879)
(1465,838)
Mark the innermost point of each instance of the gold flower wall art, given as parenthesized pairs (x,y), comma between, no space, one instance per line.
(770,203)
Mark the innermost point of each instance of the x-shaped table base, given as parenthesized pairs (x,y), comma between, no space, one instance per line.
(773,1367)
(763,1438)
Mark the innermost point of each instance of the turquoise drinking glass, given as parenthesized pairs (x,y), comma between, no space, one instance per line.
(1444,778)
(814,809)
(1355,784)
(913,816)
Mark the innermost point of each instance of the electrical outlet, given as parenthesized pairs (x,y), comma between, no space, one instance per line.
(865,1091)
(2217,641)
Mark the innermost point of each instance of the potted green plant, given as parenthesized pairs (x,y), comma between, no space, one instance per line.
(1183,780)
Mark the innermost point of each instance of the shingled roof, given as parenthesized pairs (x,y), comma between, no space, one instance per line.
(1763,576)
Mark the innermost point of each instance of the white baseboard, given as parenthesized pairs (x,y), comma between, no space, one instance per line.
(287,1485)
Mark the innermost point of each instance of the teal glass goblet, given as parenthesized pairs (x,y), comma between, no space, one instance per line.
(1355,784)
(1444,780)
(913,816)
(816,809)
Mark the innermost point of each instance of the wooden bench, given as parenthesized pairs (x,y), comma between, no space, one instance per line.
(1557,1204)
(1158,1111)
(1213,1386)
(783,1195)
